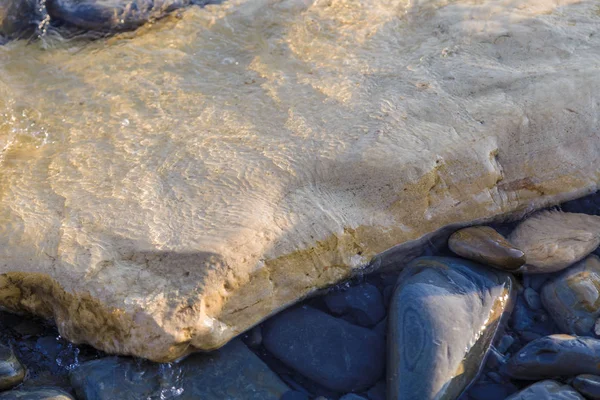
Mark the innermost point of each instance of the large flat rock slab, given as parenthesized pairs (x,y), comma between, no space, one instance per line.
(162,191)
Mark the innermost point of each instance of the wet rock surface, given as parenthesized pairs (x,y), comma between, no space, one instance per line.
(334,344)
(230,372)
(336,354)
(485,245)
(12,371)
(588,385)
(547,390)
(573,298)
(37,393)
(556,355)
(554,240)
(442,320)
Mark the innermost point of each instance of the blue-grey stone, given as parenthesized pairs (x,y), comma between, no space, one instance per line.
(352,396)
(17,17)
(588,385)
(443,318)
(361,305)
(378,391)
(330,351)
(232,372)
(491,391)
(572,298)
(504,344)
(12,371)
(114,15)
(547,390)
(294,395)
(555,355)
(36,393)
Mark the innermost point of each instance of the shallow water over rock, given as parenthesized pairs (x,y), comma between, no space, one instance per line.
(164,190)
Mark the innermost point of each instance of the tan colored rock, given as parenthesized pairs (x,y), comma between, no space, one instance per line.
(554,240)
(484,245)
(162,191)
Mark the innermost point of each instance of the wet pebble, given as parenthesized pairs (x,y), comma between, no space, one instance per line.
(230,372)
(554,240)
(352,396)
(547,390)
(491,391)
(443,318)
(588,385)
(332,352)
(505,343)
(36,393)
(361,305)
(12,371)
(555,355)
(486,246)
(378,391)
(572,298)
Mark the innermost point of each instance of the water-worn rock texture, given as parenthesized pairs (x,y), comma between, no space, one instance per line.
(443,318)
(164,190)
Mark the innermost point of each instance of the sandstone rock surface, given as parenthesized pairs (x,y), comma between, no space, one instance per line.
(165,190)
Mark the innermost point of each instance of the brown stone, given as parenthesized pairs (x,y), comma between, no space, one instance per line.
(484,245)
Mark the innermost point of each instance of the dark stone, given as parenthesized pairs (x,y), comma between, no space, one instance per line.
(524,319)
(536,281)
(491,391)
(505,343)
(332,352)
(588,385)
(547,390)
(572,297)
(230,372)
(36,393)
(381,328)
(443,318)
(484,245)
(113,16)
(11,371)
(294,395)
(495,359)
(555,355)
(378,391)
(361,305)
(532,298)
(18,17)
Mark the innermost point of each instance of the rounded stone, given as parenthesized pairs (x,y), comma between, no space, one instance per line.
(572,299)
(330,351)
(361,305)
(547,390)
(294,395)
(554,240)
(588,385)
(442,320)
(17,17)
(555,355)
(484,245)
(37,393)
(12,371)
(532,298)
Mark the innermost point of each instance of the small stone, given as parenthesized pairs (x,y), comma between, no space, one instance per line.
(12,371)
(294,395)
(505,343)
(377,392)
(555,355)
(36,393)
(532,298)
(486,246)
(233,371)
(588,385)
(443,318)
(554,240)
(572,298)
(547,390)
(495,359)
(330,351)
(361,305)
